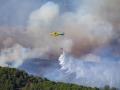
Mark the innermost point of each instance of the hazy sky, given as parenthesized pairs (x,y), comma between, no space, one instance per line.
(16,12)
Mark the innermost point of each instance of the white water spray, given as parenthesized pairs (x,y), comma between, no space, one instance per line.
(91,73)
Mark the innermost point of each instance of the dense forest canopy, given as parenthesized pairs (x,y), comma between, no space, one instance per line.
(13,79)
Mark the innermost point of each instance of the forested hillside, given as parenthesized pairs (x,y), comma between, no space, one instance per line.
(13,79)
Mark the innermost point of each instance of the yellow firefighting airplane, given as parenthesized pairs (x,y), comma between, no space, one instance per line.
(56,34)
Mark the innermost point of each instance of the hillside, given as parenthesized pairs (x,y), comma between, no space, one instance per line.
(12,79)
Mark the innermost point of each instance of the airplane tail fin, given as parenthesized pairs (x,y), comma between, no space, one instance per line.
(62,33)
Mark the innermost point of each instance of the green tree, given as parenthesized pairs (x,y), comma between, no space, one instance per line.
(106,87)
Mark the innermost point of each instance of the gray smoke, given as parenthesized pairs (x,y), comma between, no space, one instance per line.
(82,32)
(91,41)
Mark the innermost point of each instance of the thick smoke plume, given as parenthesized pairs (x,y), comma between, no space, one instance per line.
(13,57)
(91,42)
(83,33)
